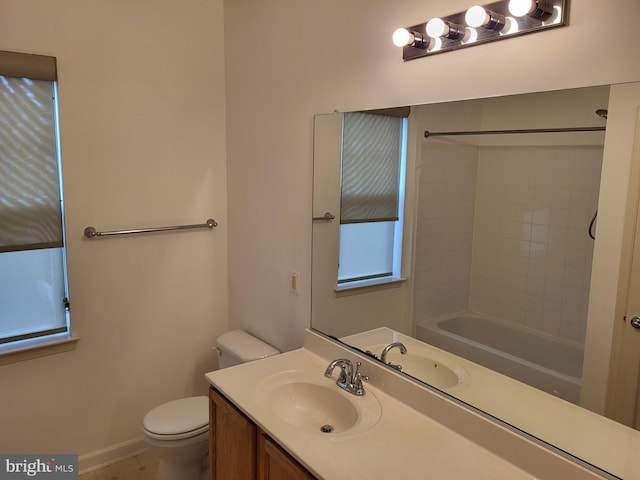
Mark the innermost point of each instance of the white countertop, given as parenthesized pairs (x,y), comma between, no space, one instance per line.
(587,435)
(405,443)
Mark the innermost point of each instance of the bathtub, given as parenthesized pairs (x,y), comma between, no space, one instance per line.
(542,361)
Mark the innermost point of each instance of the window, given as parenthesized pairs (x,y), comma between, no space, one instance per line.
(372,197)
(33,286)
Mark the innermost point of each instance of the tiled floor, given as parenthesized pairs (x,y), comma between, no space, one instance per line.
(139,467)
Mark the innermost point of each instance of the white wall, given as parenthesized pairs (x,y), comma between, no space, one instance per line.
(305,58)
(616,201)
(141,88)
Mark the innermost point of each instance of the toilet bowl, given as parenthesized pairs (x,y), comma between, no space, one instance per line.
(178,431)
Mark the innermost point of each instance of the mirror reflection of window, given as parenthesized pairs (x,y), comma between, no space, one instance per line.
(372,195)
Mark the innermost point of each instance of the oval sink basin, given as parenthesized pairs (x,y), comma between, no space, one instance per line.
(313,406)
(312,403)
(425,368)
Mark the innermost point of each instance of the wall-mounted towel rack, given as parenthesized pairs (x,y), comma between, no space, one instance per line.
(327,217)
(91,232)
(428,134)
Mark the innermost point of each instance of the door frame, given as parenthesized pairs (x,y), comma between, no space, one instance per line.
(623,401)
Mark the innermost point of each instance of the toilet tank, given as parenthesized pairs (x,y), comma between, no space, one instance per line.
(237,346)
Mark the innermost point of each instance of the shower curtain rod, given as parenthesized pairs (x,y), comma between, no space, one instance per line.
(428,134)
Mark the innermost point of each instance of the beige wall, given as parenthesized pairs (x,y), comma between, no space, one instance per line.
(304,58)
(143,143)
(606,280)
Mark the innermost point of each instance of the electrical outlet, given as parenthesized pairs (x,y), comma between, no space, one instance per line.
(294,278)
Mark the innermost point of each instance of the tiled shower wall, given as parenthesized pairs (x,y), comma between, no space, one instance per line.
(447,191)
(503,231)
(532,251)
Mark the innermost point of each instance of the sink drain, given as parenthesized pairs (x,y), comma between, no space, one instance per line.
(326,429)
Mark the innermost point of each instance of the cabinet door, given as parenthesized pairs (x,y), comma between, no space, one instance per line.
(232,441)
(275,464)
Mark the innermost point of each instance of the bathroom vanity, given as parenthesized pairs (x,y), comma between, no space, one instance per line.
(280,417)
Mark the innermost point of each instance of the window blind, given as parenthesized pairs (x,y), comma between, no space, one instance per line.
(370,167)
(30,209)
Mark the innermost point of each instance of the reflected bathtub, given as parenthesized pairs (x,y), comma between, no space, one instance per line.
(542,361)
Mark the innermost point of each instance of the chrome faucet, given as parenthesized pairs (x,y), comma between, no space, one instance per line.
(349,379)
(383,355)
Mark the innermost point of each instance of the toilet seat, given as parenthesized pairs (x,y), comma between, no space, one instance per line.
(178,419)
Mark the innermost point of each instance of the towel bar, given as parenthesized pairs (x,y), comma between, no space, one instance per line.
(91,232)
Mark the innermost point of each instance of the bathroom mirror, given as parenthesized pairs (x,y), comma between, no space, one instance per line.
(499,223)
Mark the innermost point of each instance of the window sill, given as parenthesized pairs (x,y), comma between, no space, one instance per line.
(37,348)
(364,286)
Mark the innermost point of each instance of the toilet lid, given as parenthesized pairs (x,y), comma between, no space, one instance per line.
(179,417)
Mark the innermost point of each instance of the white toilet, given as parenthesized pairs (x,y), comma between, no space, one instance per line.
(178,431)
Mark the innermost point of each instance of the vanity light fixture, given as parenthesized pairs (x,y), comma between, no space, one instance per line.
(480,24)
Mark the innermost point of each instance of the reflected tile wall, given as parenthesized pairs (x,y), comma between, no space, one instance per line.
(504,231)
(447,192)
(532,253)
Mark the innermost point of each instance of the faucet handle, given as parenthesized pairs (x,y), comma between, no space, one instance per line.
(349,379)
(358,378)
(343,377)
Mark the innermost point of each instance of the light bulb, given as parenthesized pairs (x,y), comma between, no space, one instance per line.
(402,37)
(435,44)
(520,8)
(540,9)
(470,36)
(477,17)
(437,28)
(510,26)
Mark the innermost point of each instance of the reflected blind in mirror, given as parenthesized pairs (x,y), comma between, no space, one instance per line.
(370,167)
(30,210)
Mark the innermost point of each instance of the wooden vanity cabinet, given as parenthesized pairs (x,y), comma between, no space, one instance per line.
(232,441)
(276,464)
(239,450)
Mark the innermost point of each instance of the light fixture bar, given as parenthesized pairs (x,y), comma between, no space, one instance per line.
(481,24)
